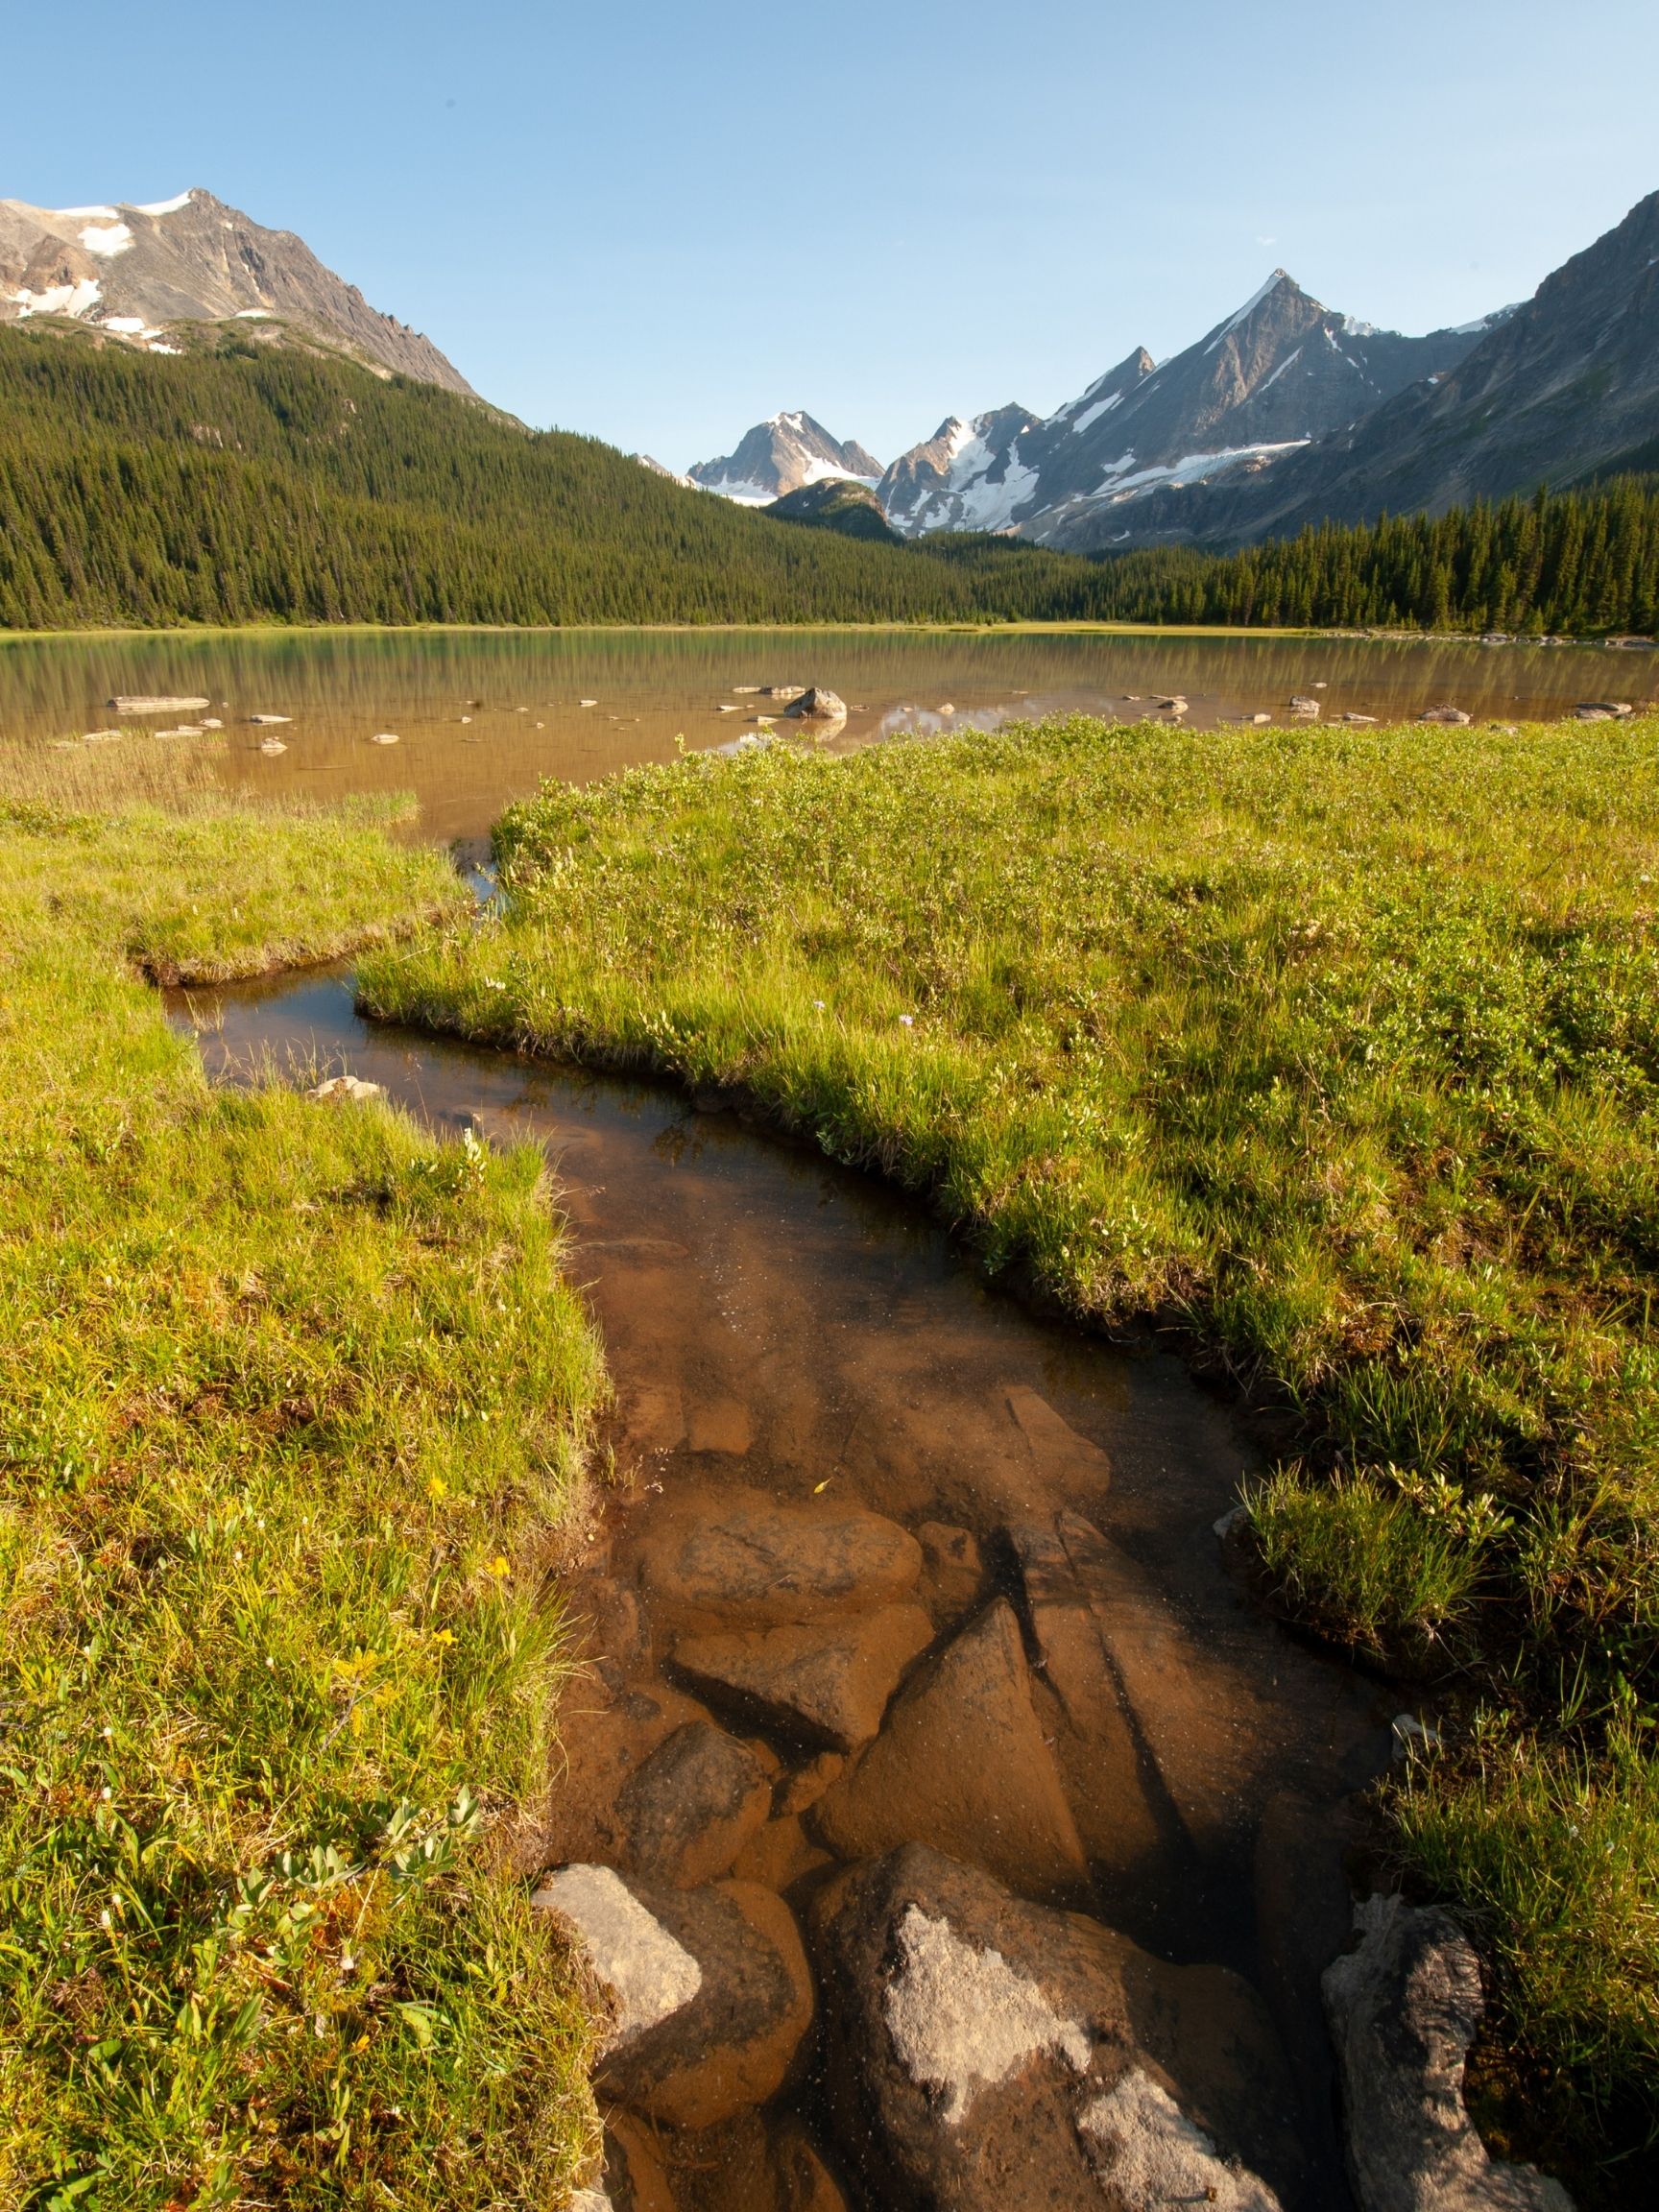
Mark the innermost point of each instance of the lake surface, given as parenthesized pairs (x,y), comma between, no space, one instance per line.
(482,716)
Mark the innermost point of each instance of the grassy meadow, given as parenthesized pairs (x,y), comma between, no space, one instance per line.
(292,1402)
(1335,1050)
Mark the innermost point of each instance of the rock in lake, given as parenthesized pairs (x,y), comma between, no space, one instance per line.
(1404,2008)
(1306,708)
(819,705)
(962,1765)
(992,2054)
(693,1804)
(727,2044)
(1454,717)
(750,1562)
(825,1683)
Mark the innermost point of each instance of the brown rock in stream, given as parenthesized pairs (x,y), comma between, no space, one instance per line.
(711,1986)
(989,2056)
(1117,1798)
(602,1737)
(962,1765)
(689,1808)
(819,1682)
(747,1561)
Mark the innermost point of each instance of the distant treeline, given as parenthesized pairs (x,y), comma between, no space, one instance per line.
(244,483)
(1571,564)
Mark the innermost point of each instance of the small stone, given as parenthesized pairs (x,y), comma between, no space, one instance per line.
(272,746)
(344,1090)
(824,1682)
(145,703)
(1453,717)
(808,1782)
(689,1808)
(385,737)
(1306,707)
(264,721)
(782,691)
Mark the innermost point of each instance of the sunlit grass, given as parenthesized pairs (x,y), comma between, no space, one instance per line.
(293,1404)
(1336,1051)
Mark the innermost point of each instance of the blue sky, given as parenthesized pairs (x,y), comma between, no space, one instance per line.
(660,222)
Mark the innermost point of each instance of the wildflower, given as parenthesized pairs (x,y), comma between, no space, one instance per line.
(437,1487)
(908,1019)
(499,1567)
(818,1005)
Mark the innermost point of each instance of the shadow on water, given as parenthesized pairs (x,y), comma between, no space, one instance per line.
(776,1322)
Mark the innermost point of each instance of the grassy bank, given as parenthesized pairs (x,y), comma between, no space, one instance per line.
(1339,1051)
(292,1401)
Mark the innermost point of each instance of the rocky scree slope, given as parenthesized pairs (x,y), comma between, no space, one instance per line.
(137,270)
(780,456)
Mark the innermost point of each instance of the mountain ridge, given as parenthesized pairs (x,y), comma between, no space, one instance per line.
(781,455)
(136,271)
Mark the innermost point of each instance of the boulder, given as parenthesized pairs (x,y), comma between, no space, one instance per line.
(1307,708)
(646,1973)
(1603,710)
(602,1737)
(734,2045)
(1454,717)
(1402,2009)
(981,2049)
(688,1810)
(751,1562)
(820,1683)
(962,1765)
(819,705)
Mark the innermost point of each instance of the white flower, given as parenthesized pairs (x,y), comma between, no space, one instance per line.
(908,1019)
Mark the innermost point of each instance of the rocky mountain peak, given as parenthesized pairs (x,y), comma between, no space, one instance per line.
(138,269)
(781,455)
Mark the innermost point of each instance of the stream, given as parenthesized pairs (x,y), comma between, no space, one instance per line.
(781,1330)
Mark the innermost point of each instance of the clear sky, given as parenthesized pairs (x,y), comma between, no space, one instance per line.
(662,220)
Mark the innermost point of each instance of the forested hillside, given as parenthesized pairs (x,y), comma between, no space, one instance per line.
(245,483)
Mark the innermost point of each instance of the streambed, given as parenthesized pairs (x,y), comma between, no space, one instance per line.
(786,1335)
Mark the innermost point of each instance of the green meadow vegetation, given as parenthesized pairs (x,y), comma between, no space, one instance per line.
(294,1403)
(1334,1051)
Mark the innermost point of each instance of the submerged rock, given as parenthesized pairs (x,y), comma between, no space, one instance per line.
(819,1682)
(755,1563)
(1454,717)
(962,1765)
(1404,2008)
(689,1808)
(991,2054)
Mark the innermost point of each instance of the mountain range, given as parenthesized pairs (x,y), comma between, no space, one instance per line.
(138,274)
(781,455)
(1288,411)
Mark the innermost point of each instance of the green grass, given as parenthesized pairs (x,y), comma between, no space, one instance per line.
(293,1404)
(1336,1051)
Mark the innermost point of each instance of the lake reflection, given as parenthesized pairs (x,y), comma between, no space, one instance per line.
(482,716)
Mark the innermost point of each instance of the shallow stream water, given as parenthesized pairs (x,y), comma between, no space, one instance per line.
(776,1324)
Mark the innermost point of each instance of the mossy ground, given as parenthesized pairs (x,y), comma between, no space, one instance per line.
(292,1402)
(1337,1052)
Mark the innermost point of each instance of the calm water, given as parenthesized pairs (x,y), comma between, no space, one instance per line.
(482,716)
